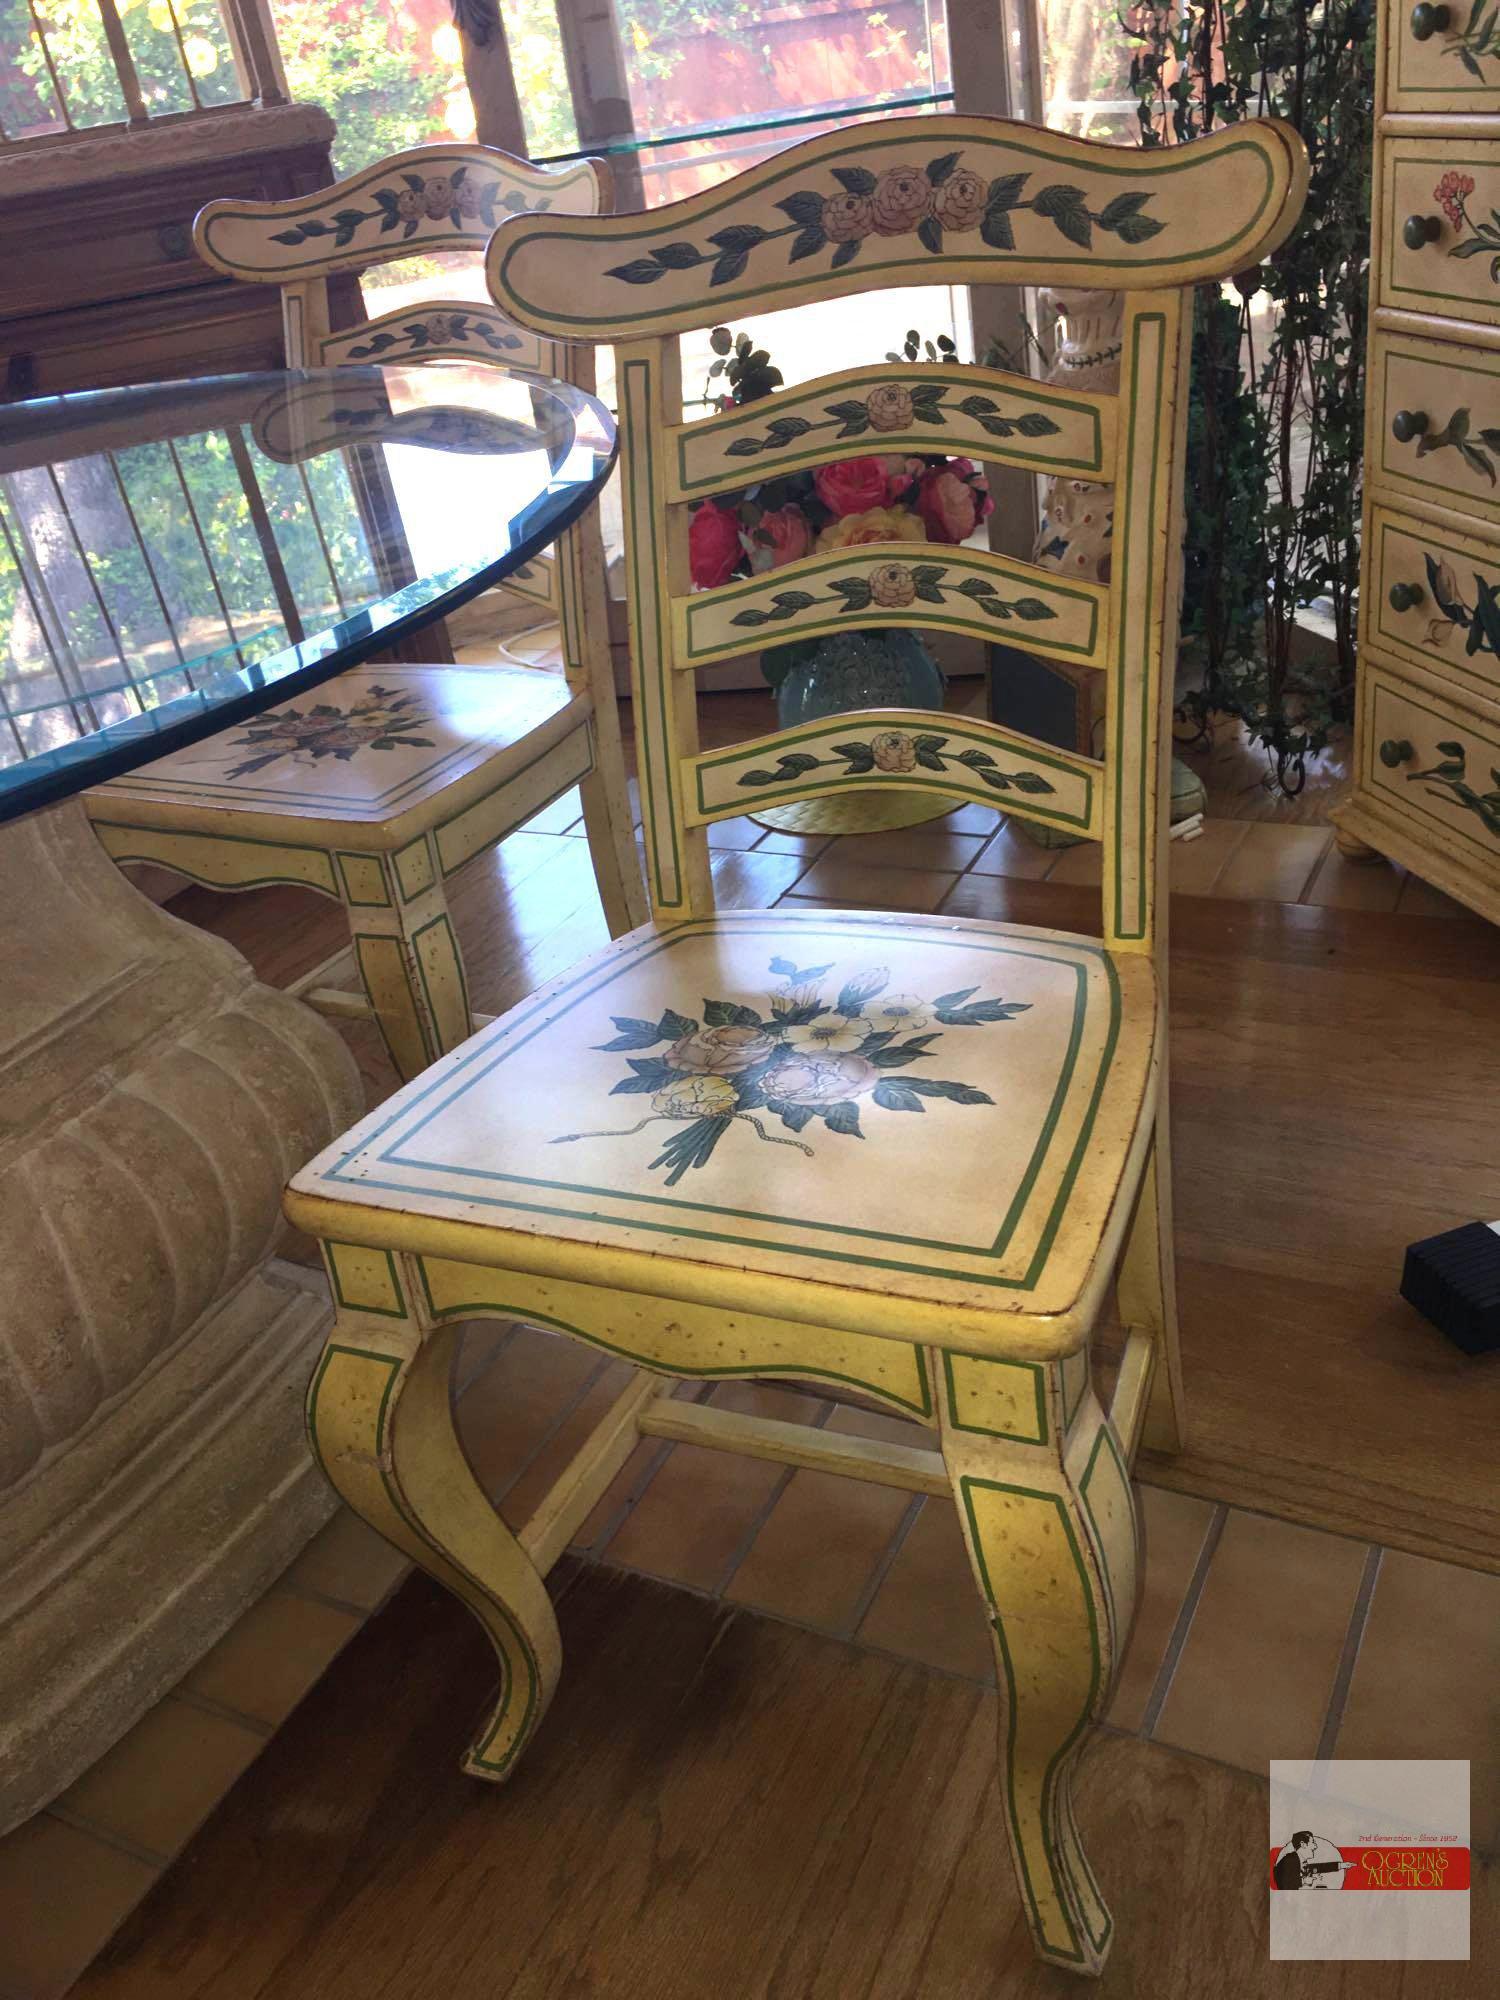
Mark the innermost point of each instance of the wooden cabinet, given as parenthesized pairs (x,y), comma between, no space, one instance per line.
(102,285)
(1427,765)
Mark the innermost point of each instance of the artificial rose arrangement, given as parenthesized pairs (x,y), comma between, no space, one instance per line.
(873,498)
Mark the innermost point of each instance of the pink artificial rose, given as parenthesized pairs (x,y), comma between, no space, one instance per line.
(781,537)
(901,475)
(853,486)
(714,549)
(950,503)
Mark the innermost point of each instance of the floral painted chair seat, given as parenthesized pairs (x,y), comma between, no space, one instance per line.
(378,787)
(911,1155)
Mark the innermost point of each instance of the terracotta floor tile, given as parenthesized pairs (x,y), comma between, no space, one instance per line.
(1420,899)
(836,877)
(990,897)
(1257,1671)
(1354,885)
(349,1561)
(754,881)
(1011,853)
(62,1895)
(934,846)
(266,1662)
(521,1500)
(1080,864)
(1273,863)
(482,1341)
(929,1608)
(809,845)
(164,1777)
(818,1550)
(1197,864)
(504,1418)
(693,1519)
(1175,1524)
(735,835)
(1427,1681)
(971,818)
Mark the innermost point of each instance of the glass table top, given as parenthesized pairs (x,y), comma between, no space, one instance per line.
(178,557)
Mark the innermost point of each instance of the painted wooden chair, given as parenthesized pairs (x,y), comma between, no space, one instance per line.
(908,1155)
(382,832)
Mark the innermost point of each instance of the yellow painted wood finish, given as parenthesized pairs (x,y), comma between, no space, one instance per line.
(1222,205)
(914,751)
(701,1149)
(931,589)
(452,197)
(1431,529)
(984,412)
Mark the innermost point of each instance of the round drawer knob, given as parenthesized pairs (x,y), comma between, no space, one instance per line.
(1408,424)
(1393,753)
(1428,21)
(1405,596)
(1419,230)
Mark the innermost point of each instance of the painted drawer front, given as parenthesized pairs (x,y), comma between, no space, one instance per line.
(1436,423)
(1449,188)
(1433,762)
(1443,58)
(1452,626)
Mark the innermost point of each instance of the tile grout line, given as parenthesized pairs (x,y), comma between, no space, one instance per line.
(1359,1617)
(764,1513)
(206,1705)
(106,1837)
(1161,1687)
(477,1375)
(496,1494)
(637,1492)
(883,1568)
(309,1595)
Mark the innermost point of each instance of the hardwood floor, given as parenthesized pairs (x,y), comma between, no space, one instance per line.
(717,1804)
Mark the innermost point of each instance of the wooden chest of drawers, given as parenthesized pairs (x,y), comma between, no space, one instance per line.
(1427,764)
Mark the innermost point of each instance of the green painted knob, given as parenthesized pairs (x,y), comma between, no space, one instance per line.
(1419,230)
(1427,21)
(1408,424)
(1405,596)
(1393,753)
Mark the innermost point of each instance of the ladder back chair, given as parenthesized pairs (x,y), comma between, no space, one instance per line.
(502,741)
(904,1154)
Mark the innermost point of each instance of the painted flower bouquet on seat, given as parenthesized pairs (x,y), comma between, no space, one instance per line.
(801,1057)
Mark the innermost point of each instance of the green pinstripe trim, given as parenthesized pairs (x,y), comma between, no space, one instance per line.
(636,396)
(750,591)
(991,736)
(1481,668)
(584,733)
(360,939)
(1038,1371)
(404,1514)
(1104,1440)
(417,846)
(350,1305)
(664,942)
(1389,281)
(1398,469)
(607,242)
(440,922)
(1406,803)
(1061,1887)
(1135,926)
(360,902)
(961,435)
(922,1407)
(228,840)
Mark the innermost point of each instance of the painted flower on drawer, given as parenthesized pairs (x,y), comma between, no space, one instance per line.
(943,197)
(807,1051)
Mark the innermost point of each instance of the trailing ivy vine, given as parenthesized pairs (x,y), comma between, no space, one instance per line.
(1275,436)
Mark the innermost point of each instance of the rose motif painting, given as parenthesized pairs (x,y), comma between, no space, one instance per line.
(809,1052)
(379,720)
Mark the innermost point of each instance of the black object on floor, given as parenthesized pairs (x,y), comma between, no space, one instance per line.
(1454,1280)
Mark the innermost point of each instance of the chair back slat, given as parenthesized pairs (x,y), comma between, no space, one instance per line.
(941,200)
(912,749)
(938,588)
(456,331)
(905,201)
(445,197)
(980,412)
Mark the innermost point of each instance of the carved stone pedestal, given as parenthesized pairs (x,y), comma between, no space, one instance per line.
(154,1475)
